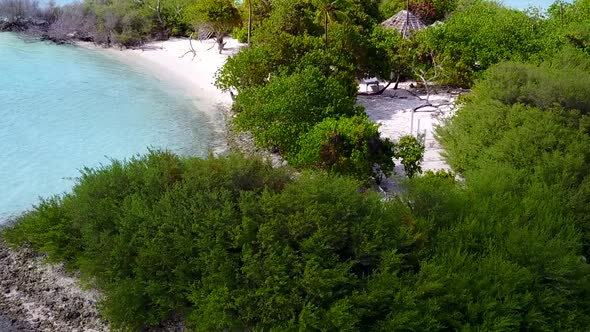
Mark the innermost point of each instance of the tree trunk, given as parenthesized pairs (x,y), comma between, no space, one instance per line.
(220,43)
(249,21)
(396,81)
(159,13)
(160,21)
(326,27)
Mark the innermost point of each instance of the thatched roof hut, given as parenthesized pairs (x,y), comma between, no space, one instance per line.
(404,22)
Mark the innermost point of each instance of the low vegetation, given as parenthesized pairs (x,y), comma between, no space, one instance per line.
(531,124)
(231,243)
(119,22)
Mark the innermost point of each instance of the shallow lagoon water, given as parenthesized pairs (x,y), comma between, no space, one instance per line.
(64,107)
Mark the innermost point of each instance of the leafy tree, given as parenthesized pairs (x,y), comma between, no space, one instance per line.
(410,150)
(249,68)
(216,16)
(120,23)
(287,107)
(485,34)
(345,146)
(390,57)
(328,9)
(389,8)
(573,23)
(428,10)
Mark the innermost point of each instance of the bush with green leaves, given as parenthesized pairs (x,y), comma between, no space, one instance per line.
(234,244)
(249,68)
(229,243)
(241,34)
(485,34)
(410,150)
(295,74)
(532,122)
(346,145)
(120,23)
(545,107)
(284,54)
(563,81)
(279,113)
(387,53)
(482,241)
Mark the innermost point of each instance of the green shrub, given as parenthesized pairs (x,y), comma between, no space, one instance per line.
(232,242)
(485,34)
(532,123)
(249,68)
(349,146)
(563,82)
(410,151)
(285,109)
(241,34)
(121,23)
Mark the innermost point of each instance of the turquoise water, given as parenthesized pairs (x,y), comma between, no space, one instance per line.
(64,107)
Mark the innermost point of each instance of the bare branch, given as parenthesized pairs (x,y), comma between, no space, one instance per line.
(192,49)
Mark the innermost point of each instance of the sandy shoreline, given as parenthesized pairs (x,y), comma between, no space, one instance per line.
(166,62)
(194,77)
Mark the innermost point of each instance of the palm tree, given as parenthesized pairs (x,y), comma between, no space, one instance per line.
(328,9)
(249,21)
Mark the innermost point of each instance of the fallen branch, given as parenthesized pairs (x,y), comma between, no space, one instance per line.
(431,105)
(414,94)
(192,50)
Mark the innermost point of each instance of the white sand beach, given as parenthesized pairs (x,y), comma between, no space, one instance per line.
(169,61)
(392,110)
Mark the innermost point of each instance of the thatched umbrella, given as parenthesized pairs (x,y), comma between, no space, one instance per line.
(404,22)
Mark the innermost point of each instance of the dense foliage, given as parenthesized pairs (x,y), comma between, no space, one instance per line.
(233,244)
(289,106)
(348,145)
(300,74)
(118,22)
(484,34)
(531,123)
(427,10)
(230,242)
(410,150)
(343,42)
